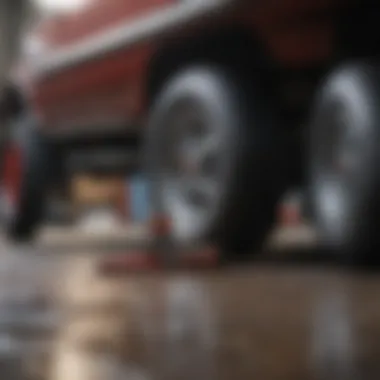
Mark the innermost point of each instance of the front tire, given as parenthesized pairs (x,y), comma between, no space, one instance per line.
(216,154)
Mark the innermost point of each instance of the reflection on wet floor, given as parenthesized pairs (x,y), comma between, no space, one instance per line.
(332,343)
(27,319)
(244,323)
(261,321)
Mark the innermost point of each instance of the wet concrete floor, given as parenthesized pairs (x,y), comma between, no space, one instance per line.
(261,321)
(304,320)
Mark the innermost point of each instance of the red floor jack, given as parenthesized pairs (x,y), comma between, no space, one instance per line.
(162,253)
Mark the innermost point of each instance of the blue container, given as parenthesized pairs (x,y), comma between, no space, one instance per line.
(139,199)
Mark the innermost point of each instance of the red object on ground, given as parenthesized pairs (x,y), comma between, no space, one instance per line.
(144,261)
(136,261)
(204,258)
(155,257)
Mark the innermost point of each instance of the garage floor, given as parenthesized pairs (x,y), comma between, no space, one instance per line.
(262,321)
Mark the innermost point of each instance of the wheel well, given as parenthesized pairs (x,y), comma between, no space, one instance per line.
(233,47)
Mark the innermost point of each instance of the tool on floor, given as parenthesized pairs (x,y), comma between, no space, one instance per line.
(162,254)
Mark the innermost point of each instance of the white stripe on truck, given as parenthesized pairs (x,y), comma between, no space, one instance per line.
(129,33)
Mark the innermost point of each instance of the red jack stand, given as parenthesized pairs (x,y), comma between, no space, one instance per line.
(161,255)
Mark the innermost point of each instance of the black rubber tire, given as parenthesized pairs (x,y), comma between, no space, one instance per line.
(256,153)
(352,92)
(40,164)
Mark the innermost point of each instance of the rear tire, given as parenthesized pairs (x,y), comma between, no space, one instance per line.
(345,176)
(248,166)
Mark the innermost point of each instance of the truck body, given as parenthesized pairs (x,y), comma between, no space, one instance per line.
(99,67)
(285,87)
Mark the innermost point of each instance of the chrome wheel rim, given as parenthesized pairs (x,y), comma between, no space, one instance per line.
(192,170)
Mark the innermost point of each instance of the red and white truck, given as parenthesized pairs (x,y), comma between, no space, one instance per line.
(228,102)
